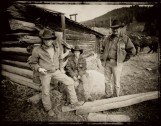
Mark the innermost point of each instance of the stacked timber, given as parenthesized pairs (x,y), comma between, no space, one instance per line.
(86,41)
(25,22)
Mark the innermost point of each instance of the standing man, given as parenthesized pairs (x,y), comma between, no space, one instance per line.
(76,68)
(117,48)
(46,59)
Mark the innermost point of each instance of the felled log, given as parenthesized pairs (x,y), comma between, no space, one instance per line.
(30,39)
(119,104)
(18,71)
(21,25)
(36,98)
(105,101)
(16,50)
(99,117)
(11,56)
(21,80)
(16,64)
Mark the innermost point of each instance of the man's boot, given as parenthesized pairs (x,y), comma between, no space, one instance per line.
(51,113)
(77,104)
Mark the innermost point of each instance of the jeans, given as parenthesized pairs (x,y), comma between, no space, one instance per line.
(45,81)
(114,70)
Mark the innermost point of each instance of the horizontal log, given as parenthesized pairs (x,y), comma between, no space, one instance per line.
(75,42)
(16,50)
(17,70)
(21,80)
(13,44)
(14,36)
(105,101)
(80,37)
(99,117)
(21,25)
(30,39)
(119,104)
(16,64)
(11,56)
(67,31)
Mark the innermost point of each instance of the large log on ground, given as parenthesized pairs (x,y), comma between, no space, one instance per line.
(99,117)
(16,64)
(16,50)
(21,25)
(36,98)
(105,101)
(119,104)
(18,71)
(21,80)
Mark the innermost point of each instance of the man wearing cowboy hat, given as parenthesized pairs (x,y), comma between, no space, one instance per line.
(46,59)
(117,48)
(76,68)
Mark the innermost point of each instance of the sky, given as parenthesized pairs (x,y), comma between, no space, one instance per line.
(85,12)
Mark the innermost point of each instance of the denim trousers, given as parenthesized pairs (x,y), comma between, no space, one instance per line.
(115,72)
(61,77)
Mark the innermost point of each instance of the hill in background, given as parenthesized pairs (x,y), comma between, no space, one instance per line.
(146,17)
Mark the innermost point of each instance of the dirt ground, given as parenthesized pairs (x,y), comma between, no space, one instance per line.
(140,74)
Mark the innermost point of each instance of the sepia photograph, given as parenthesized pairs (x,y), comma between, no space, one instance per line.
(75,62)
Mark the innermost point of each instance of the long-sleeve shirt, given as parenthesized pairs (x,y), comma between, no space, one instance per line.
(41,58)
(75,69)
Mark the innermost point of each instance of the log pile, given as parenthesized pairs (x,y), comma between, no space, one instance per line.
(25,23)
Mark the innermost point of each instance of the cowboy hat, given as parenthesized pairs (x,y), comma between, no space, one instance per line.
(47,34)
(116,24)
(77,48)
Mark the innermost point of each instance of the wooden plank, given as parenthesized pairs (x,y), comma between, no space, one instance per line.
(21,80)
(18,71)
(119,104)
(16,64)
(15,50)
(104,101)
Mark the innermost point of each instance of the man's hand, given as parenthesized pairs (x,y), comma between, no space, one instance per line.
(79,77)
(42,70)
(62,70)
(75,78)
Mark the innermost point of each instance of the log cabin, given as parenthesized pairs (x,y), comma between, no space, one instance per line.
(23,22)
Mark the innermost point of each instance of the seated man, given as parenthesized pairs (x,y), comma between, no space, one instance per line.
(76,68)
(46,60)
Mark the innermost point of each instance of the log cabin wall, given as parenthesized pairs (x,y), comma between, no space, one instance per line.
(25,23)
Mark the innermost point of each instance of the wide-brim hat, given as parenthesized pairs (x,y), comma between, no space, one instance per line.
(77,48)
(117,24)
(47,34)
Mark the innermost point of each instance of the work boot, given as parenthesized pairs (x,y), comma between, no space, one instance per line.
(89,99)
(77,104)
(50,112)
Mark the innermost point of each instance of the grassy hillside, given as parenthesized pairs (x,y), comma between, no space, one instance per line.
(148,16)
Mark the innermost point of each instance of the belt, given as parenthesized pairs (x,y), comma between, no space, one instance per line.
(109,59)
(52,71)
